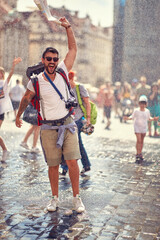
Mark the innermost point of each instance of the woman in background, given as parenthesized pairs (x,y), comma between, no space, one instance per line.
(5,102)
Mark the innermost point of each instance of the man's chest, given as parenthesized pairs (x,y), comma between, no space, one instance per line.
(47,91)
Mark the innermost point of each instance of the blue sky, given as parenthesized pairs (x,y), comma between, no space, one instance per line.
(98,10)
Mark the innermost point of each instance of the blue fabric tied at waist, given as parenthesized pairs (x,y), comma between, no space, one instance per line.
(61,130)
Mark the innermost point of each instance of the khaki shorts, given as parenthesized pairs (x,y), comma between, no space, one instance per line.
(70,149)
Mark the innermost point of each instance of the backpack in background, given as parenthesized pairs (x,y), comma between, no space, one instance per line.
(93,118)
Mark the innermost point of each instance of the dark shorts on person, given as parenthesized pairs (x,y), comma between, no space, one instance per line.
(2,116)
(15,104)
(107,110)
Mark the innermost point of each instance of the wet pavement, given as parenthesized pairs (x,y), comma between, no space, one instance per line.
(122,199)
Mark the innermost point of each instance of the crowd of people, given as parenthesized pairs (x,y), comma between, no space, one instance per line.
(125,96)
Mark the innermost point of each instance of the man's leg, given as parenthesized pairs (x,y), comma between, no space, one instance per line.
(53,178)
(78,205)
(74,175)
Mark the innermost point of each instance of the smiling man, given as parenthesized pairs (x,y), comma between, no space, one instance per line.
(57,122)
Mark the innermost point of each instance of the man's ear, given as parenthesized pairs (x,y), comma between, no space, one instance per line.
(42,59)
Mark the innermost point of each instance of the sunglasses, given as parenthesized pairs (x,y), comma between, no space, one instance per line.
(55,59)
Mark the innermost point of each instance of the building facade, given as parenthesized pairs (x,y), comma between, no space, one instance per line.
(137,26)
(27,34)
(14,41)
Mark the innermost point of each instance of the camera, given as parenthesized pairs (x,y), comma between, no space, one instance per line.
(71,102)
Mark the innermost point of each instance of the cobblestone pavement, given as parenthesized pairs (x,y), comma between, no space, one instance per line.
(122,199)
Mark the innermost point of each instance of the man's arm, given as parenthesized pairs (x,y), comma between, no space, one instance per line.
(23,104)
(72,46)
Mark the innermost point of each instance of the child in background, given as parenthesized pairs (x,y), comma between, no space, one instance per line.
(141,116)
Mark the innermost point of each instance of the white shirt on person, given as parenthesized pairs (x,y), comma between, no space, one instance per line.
(141,120)
(17,93)
(52,107)
(5,101)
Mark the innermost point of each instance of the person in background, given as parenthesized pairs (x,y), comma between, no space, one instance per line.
(158,82)
(141,116)
(100,100)
(143,88)
(5,101)
(126,91)
(134,85)
(78,118)
(117,98)
(108,103)
(154,107)
(34,129)
(16,94)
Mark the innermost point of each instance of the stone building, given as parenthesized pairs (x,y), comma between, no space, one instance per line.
(14,34)
(4,9)
(16,42)
(27,34)
(136,40)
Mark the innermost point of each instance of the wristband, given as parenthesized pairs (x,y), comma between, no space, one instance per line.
(68,26)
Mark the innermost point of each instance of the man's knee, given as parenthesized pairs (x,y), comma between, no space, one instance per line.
(53,168)
(71,163)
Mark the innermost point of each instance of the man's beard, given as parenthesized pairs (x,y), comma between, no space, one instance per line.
(50,72)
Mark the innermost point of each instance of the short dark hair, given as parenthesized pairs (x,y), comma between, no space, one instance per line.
(50,49)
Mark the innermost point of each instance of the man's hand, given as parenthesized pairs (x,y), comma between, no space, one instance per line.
(64,22)
(18,122)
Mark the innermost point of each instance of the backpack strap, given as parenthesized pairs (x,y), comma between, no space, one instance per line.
(63,74)
(80,99)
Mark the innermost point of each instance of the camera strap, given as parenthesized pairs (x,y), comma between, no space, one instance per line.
(54,86)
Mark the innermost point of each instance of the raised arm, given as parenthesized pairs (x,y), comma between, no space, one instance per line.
(72,46)
(23,104)
(14,63)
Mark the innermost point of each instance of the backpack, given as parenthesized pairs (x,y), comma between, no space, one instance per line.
(93,107)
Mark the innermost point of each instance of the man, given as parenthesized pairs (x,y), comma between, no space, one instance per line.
(16,95)
(117,98)
(78,118)
(108,102)
(143,88)
(54,108)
